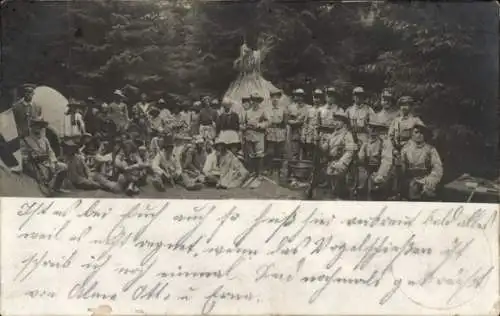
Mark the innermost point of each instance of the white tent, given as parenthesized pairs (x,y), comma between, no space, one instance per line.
(53,105)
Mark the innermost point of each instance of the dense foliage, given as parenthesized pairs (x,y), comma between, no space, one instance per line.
(443,54)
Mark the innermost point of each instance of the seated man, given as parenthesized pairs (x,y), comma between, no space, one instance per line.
(104,169)
(193,160)
(36,146)
(79,173)
(232,172)
(375,162)
(130,167)
(422,166)
(211,168)
(166,169)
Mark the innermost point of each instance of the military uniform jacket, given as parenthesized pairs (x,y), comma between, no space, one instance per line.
(359,116)
(256,122)
(24,112)
(422,161)
(38,146)
(377,154)
(296,118)
(341,147)
(401,128)
(276,132)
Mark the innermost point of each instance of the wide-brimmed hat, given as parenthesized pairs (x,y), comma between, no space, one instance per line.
(214,102)
(119,93)
(275,93)
(38,121)
(219,141)
(299,92)
(70,143)
(318,92)
(331,91)
(358,90)
(227,101)
(405,100)
(245,98)
(28,87)
(197,104)
(255,96)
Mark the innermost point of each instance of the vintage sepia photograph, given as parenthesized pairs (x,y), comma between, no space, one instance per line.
(299,100)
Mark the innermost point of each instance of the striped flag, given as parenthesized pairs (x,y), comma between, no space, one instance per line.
(10,151)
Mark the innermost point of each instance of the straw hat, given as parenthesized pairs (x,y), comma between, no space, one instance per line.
(275,93)
(119,93)
(331,91)
(405,100)
(255,96)
(39,122)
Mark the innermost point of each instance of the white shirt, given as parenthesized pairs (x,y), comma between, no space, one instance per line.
(73,125)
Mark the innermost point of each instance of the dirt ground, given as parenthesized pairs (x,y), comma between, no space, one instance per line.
(23,186)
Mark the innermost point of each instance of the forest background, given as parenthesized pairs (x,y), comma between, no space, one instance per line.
(445,55)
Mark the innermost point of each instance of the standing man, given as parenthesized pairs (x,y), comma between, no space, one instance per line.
(24,111)
(341,149)
(375,162)
(402,126)
(326,119)
(74,126)
(255,126)
(297,112)
(422,166)
(311,123)
(359,115)
(119,111)
(388,112)
(195,118)
(207,121)
(142,107)
(276,132)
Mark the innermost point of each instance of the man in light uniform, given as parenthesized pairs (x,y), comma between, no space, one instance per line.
(276,132)
(422,166)
(24,111)
(326,120)
(311,123)
(388,112)
(37,145)
(375,162)
(297,112)
(402,126)
(359,115)
(341,148)
(255,125)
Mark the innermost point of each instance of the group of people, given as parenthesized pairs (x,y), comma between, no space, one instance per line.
(120,147)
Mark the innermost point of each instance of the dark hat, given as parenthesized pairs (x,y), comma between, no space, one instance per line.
(255,96)
(76,103)
(39,122)
(245,98)
(154,110)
